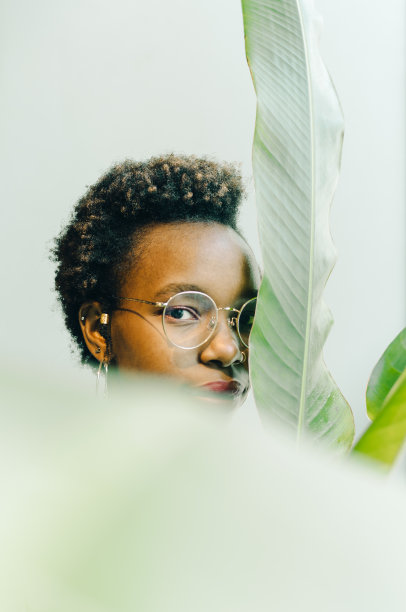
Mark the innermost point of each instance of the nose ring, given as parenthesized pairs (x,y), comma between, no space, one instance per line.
(243,358)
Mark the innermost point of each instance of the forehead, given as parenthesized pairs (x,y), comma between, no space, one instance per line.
(211,257)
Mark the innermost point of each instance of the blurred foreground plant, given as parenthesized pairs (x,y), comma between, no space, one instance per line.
(152,502)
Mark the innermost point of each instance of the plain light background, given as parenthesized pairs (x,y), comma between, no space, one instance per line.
(90,82)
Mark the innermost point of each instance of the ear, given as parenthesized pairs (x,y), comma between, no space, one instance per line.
(90,316)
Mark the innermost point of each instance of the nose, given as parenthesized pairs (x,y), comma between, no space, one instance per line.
(223,347)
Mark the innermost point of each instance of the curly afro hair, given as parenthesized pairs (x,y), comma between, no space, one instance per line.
(91,251)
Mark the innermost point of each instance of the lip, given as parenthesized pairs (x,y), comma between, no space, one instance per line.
(231,387)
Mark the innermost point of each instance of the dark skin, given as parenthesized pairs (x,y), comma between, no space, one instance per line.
(211,258)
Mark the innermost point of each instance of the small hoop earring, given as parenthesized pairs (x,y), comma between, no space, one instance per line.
(104,365)
(243,358)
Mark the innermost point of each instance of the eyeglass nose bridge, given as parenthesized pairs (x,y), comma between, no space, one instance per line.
(232,322)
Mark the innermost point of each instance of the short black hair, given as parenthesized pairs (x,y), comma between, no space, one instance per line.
(128,198)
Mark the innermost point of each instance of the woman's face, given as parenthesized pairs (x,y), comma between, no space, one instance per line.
(176,257)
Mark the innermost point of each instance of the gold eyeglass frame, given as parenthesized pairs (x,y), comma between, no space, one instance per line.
(232,322)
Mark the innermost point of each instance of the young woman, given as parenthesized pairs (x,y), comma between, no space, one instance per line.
(154,276)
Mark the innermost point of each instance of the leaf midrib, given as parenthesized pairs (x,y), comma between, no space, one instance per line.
(302,402)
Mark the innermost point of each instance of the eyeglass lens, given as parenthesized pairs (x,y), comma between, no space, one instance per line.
(190,318)
(245,320)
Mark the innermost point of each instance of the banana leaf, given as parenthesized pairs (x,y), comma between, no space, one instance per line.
(385,375)
(296,160)
(386,402)
(385,438)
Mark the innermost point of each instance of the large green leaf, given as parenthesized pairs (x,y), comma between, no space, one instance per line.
(386,374)
(384,439)
(296,159)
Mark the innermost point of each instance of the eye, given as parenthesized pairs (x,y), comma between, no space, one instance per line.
(181,314)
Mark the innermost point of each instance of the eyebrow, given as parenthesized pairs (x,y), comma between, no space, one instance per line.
(173,288)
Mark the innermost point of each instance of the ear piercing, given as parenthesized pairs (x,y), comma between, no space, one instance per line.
(104,318)
(98,349)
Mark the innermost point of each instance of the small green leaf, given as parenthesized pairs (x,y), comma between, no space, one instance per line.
(384,439)
(386,374)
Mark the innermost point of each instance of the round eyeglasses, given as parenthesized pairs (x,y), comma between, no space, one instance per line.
(190,318)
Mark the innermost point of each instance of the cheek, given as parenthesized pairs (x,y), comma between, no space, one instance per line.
(140,345)
(134,341)
(182,359)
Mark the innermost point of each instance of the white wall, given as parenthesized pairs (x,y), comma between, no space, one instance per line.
(364,48)
(89,82)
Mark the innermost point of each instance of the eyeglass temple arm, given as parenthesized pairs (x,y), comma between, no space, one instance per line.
(228,308)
